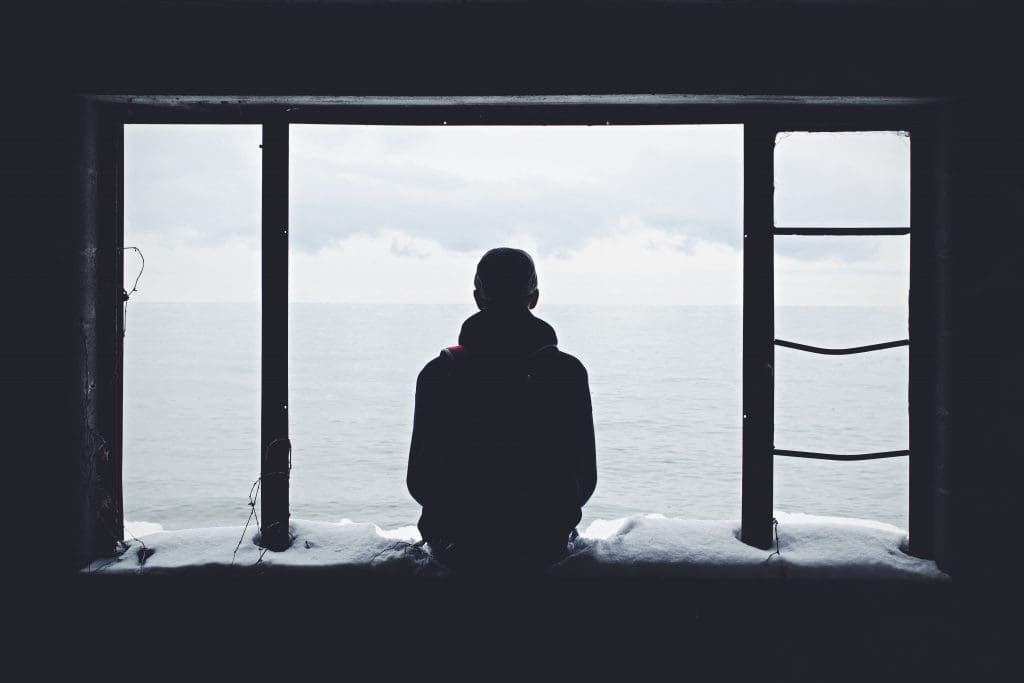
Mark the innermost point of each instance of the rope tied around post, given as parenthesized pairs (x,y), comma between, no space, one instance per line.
(254,494)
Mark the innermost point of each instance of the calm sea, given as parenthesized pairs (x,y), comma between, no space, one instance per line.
(666,391)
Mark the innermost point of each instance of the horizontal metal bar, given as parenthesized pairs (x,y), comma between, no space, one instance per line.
(842,232)
(842,352)
(841,456)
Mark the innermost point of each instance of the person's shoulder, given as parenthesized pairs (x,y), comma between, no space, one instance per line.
(568,364)
(544,328)
(435,370)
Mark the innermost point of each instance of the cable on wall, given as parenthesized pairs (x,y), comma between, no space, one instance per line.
(125,294)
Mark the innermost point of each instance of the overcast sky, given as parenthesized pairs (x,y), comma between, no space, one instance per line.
(611,214)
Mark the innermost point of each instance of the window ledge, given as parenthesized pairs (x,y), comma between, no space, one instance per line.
(810,547)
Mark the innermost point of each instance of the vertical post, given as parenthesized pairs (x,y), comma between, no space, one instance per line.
(96,398)
(275,448)
(942,190)
(923,325)
(758,333)
(91,540)
(110,318)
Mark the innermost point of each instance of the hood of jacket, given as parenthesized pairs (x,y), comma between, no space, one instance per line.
(506,331)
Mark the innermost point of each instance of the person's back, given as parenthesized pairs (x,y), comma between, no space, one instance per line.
(502,456)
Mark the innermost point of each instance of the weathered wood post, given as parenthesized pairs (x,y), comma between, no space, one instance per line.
(97,330)
(758,334)
(929,350)
(275,448)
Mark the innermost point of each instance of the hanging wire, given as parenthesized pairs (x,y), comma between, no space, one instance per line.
(144,553)
(254,493)
(126,295)
(400,545)
(778,551)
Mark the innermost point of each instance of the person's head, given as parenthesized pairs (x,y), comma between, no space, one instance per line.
(506,278)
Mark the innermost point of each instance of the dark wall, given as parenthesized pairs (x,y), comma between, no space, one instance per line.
(37,196)
(492,48)
(988,363)
(837,47)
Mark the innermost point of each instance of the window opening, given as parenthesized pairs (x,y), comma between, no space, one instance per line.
(636,233)
(853,196)
(758,362)
(192,339)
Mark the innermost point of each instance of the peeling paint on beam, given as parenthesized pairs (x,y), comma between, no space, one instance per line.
(680,4)
(625,99)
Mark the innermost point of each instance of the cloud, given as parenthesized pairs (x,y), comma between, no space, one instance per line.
(199,184)
(410,206)
(466,188)
(628,266)
(880,279)
(227,271)
(631,265)
(410,247)
(840,180)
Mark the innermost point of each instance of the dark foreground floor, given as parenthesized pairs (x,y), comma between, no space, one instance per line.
(321,625)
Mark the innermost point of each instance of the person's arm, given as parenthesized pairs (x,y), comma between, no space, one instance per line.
(422,453)
(581,436)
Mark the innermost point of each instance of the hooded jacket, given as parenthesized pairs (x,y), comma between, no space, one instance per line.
(502,456)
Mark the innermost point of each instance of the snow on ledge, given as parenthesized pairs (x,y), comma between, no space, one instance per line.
(640,545)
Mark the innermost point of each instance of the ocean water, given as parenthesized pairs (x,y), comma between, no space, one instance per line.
(665,382)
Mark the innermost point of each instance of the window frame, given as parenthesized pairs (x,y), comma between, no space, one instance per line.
(104,118)
(928,334)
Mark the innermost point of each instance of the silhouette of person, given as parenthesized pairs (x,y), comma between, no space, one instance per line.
(502,456)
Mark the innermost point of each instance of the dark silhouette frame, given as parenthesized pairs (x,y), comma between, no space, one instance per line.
(101,297)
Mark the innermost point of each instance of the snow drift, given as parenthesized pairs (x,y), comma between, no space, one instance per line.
(641,545)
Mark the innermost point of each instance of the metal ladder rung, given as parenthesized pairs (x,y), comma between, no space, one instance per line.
(842,352)
(841,456)
(841,232)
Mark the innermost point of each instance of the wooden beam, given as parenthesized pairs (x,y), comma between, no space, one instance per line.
(89,541)
(943,246)
(97,393)
(758,334)
(110,322)
(275,449)
(923,301)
